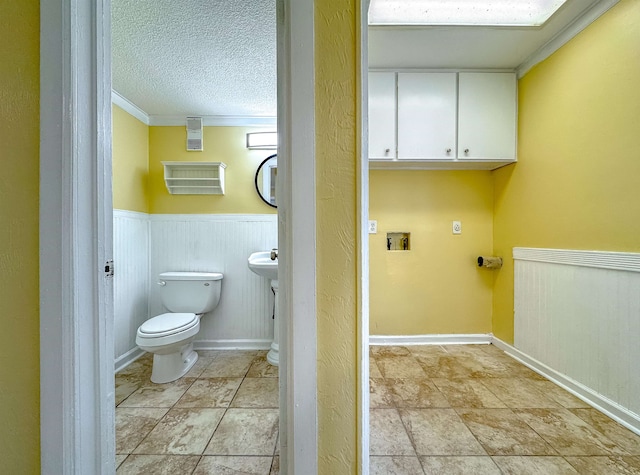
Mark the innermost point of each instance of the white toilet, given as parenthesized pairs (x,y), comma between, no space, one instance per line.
(170,336)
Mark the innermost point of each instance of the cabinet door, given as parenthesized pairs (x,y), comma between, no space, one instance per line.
(382,115)
(426,116)
(487,116)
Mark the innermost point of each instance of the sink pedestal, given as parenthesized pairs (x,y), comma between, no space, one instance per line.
(273,355)
(263,265)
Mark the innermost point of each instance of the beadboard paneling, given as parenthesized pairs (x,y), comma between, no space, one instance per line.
(218,243)
(131,278)
(578,312)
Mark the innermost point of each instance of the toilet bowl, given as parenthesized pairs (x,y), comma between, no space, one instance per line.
(169,336)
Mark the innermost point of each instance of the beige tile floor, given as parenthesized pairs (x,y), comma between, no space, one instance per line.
(220,418)
(471,409)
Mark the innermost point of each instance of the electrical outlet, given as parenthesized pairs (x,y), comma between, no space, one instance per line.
(456,227)
(373,227)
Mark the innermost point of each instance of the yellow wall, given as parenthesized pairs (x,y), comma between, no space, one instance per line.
(336,73)
(130,162)
(19,294)
(576,183)
(436,286)
(221,144)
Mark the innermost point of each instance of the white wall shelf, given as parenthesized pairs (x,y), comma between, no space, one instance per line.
(194,178)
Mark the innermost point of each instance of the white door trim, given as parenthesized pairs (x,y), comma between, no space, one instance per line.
(76,345)
(363,245)
(297,238)
(77,395)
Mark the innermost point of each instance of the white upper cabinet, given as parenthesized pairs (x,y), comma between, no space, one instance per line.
(487,116)
(464,120)
(382,115)
(426,116)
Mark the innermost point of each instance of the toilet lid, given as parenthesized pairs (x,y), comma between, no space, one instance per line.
(168,323)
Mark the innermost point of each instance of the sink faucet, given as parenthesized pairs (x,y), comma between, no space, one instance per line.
(274,254)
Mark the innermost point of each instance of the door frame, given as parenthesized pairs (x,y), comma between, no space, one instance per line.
(76,314)
(297,237)
(76,296)
(362,33)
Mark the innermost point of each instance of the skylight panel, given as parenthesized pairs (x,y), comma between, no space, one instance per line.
(462,12)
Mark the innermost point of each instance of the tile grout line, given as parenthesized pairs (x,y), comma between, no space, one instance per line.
(255,357)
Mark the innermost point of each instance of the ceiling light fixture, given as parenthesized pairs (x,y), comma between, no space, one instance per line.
(462,12)
(262,140)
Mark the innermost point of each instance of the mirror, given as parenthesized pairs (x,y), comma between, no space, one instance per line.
(266,180)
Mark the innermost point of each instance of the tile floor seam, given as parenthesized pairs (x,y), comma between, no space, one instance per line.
(606,439)
(141,382)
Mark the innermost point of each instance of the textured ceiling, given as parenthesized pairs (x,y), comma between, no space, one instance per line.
(218,57)
(196,57)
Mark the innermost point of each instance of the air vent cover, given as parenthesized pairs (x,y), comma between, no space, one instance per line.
(194,134)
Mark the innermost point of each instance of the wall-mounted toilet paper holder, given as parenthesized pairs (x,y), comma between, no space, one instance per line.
(490,262)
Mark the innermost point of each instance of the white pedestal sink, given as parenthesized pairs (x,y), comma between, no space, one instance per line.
(260,263)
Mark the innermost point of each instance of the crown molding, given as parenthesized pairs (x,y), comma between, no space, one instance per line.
(565,35)
(214,121)
(173,120)
(129,107)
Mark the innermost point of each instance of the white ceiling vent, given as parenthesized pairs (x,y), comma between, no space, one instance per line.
(194,134)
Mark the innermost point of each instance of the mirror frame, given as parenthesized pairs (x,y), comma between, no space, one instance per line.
(255,180)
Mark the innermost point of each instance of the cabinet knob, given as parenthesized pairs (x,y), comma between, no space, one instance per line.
(387,150)
(448,150)
(466,150)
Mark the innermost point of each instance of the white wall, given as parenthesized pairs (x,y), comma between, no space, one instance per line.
(577,313)
(146,245)
(219,243)
(130,279)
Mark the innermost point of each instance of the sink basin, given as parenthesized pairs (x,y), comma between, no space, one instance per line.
(261,264)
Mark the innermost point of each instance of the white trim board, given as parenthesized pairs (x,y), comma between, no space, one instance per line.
(564,36)
(128,358)
(297,238)
(214,121)
(618,413)
(180,120)
(363,366)
(125,213)
(261,218)
(625,261)
(130,108)
(453,339)
(76,353)
(231,344)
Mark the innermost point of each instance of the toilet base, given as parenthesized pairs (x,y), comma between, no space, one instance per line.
(167,368)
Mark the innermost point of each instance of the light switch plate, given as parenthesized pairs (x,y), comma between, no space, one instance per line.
(373,226)
(456,227)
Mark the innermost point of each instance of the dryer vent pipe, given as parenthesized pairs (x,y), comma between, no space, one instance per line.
(490,262)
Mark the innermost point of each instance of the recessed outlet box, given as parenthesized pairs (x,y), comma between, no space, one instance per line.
(398,241)
(373,226)
(456,227)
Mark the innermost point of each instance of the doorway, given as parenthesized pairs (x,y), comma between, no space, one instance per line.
(75,243)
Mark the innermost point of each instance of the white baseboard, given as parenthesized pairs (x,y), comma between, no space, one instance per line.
(454,339)
(232,344)
(612,409)
(128,358)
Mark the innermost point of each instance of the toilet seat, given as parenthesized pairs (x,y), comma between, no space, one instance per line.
(168,324)
(167,329)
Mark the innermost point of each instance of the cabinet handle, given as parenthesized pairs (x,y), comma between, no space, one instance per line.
(448,150)
(466,150)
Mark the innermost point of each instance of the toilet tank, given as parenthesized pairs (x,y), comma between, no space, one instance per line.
(190,292)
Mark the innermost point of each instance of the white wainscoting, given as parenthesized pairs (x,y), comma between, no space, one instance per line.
(130,281)
(218,243)
(578,312)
